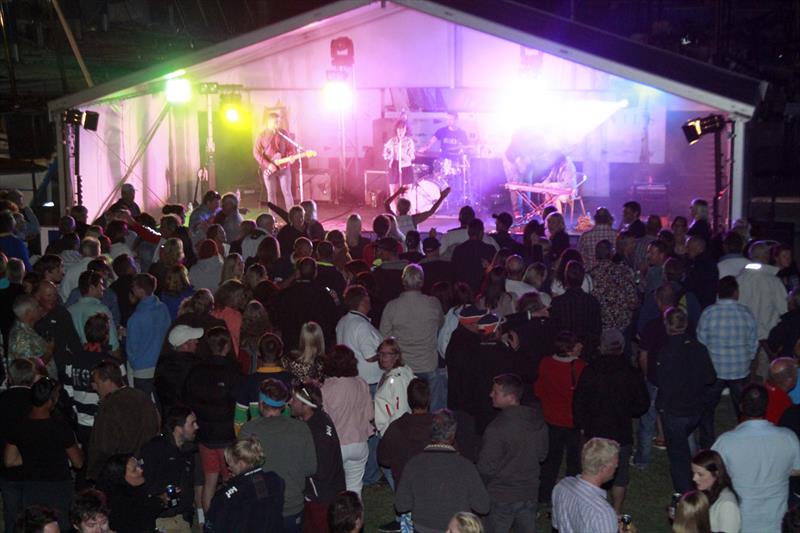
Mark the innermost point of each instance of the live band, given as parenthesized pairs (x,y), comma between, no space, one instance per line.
(535,178)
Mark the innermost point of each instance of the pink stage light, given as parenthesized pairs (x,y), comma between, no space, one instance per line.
(338,95)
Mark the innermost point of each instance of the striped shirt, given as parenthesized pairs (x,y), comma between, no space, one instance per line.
(580,507)
(77,382)
(729,331)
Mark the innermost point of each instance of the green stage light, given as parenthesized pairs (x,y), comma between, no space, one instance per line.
(178,90)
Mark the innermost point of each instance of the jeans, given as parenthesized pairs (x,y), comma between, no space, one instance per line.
(560,439)
(354,460)
(437,382)
(283,178)
(647,430)
(521,516)
(676,433)
(735,386)
(12,502)
(372,473)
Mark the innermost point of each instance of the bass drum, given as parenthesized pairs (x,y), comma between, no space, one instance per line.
(422,195)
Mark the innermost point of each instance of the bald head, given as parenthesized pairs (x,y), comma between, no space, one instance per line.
(783,373)
(515,267)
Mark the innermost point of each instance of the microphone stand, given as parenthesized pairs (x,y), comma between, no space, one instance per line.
(300,161)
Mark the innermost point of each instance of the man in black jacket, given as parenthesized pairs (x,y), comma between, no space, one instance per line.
(471,258)
(15,404)
(306,301)
(685,375)
(322,487)
(174,365)
(578,311)
(209,391)
(784,337)
(514,444)
(609,394)
(168,460)
(56,325)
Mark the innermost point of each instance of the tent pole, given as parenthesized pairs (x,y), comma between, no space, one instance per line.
(73,44)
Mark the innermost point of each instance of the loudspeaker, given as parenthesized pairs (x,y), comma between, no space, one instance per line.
(30,134)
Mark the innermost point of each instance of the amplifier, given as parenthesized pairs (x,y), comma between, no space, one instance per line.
(317,185)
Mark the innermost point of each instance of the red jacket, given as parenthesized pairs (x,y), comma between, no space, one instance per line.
(555,387)
(778,402)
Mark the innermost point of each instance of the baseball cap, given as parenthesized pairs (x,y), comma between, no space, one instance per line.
(505,218)
(430,243)
(182,333)
(489,323)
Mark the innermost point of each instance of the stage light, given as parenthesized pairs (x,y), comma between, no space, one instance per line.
(697,127)
(338,96)
(178,90)
(87,119)
(232,114)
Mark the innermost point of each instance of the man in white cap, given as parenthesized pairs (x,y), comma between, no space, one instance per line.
(174,365)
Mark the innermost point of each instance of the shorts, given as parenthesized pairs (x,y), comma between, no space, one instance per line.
(213,460)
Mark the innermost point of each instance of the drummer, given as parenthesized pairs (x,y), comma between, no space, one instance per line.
(453,140)
(399,152)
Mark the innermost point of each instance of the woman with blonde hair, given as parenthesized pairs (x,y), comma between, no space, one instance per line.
(258,501)
(465,523)
(232,268)
(353,238)
(177,288)
(307,362)
(691,514)
(391,396)
(170,254)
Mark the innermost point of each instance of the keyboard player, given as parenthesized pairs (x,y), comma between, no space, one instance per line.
(562,176)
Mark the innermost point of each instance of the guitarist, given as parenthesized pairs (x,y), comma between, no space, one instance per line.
(270,146)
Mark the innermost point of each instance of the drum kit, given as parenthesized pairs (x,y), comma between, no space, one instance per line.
(430,180)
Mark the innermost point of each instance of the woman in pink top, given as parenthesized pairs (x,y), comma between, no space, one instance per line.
(555,386)
(229,302)
(347,401)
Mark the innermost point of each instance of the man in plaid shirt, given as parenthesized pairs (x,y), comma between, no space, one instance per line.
(602,231)
(729,331)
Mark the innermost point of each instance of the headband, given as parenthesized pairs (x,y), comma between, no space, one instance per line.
(270,402)
(304,400)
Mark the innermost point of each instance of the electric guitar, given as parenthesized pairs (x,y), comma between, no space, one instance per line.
(276,164)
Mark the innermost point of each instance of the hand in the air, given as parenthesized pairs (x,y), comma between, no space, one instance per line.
(403,189)
(445,192)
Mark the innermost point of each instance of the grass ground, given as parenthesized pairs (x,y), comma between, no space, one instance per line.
(648,494)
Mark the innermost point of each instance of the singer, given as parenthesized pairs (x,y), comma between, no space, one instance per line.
(399,152)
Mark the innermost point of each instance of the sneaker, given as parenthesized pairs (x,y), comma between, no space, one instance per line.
(391,527)
(659,444)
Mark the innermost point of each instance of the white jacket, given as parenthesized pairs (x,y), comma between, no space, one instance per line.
(765,295)
(391,398)
(205,274)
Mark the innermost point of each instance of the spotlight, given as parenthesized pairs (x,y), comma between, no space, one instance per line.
(231,107)
(87,119)
(697,127)
(178,90)
(338,96)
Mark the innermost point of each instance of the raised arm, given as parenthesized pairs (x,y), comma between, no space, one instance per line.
(419,218)
(279,211)
(387,204)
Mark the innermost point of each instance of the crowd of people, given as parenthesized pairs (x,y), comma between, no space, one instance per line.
(254,375)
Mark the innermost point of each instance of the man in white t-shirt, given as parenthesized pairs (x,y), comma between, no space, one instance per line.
(355,331)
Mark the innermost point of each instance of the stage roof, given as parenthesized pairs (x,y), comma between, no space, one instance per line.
(729,92)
